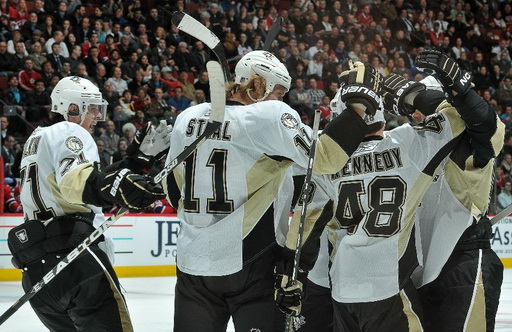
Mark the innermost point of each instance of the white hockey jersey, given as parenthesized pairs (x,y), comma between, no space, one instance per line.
(459,193)
(249,156)
(50,169)
(376,195)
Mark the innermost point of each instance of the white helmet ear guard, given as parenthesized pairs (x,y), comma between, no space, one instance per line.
(266,65)
(76,96)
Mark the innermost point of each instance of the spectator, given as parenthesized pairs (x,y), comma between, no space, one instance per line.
(83,30)
(8,154)
(37,56)
(57,38)
(100,76)
(128,107)
(203,84)
(15,97)
(128,131)
(16,37)
(48,28)
(105,158)
(117,81)
(139,121)
(5,129)
(138,82)
(482,79)
(110,137)
(300,99)
(130,67)
(199,98)
(38,104)
(27,77)
(505,197)
(92,60)
(108,46)
(504,93)
(19,56)
(160,99)
(179,101)
(187,87)
(316,66)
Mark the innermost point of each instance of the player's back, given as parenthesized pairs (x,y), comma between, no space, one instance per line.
(231,181)
(377,195)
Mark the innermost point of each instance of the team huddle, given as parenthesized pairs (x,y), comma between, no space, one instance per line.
(395,237)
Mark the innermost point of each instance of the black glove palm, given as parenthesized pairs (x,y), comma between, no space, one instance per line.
(446,70)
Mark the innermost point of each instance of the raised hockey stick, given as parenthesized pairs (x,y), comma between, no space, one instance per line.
(272,33)
(190,25)
(218,93)
(305,196)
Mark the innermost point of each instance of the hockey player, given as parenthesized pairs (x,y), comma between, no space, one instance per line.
(62,192)
(225,193)
(460,274)
(376,195)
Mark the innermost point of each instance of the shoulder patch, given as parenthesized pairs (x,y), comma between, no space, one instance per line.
(74,144)
(289,121)
(433,123)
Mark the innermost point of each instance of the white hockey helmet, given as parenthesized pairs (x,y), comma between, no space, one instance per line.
(266,65)
(76,96)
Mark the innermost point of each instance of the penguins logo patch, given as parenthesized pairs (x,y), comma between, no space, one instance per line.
(74,144)
(289,121)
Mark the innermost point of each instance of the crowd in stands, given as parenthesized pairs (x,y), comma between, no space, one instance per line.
(148,70)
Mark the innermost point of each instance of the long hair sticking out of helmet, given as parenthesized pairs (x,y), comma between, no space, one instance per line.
(265,65)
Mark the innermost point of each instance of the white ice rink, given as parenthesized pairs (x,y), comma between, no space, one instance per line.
(151,305)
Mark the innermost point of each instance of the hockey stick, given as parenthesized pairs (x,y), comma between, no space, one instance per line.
(305,196)
(218,93)
(272,33)
(503,214)
(190,25)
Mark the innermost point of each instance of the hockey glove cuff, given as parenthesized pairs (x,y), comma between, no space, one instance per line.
(399,94)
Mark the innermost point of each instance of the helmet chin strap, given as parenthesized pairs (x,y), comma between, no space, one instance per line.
(257,100)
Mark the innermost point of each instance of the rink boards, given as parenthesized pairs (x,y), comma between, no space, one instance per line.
(145,245)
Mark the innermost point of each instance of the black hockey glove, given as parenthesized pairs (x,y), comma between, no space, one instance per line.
(288,297)
(150,144)
(360,86)
(130,190)
(399,93)
(447,72)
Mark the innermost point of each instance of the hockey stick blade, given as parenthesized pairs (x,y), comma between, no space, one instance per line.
(305,196)
(272,33)
(218,94)
(218,105)
(501,215)
(190,25)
